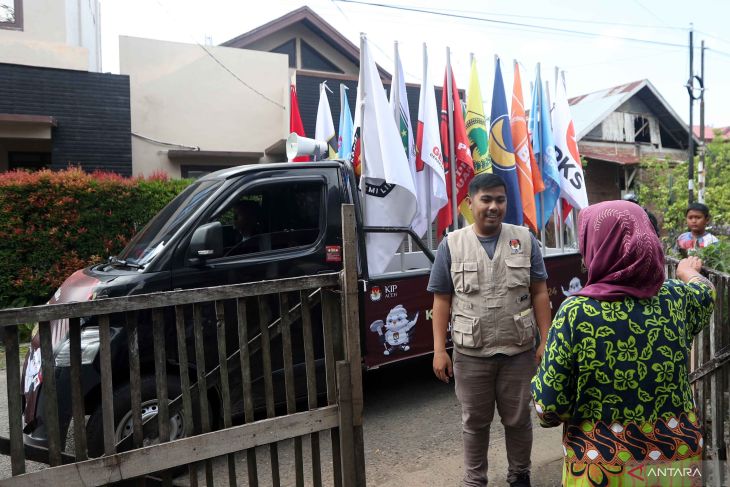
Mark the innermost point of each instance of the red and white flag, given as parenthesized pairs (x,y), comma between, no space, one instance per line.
(572,179)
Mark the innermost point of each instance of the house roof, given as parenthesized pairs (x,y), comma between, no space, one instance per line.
(722,132)
(590,110)
(311,20)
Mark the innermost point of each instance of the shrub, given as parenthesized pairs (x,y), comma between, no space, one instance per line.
(53,223)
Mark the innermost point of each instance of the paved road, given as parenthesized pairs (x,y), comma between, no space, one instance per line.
(412,437)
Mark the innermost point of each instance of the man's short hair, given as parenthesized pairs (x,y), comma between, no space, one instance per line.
(485,181)
(249,207)
(698,207)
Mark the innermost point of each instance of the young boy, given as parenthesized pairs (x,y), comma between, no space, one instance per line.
(698,216)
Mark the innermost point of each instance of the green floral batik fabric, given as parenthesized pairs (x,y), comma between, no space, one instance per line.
(615,373)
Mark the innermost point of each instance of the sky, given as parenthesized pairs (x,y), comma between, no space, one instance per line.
(597,43)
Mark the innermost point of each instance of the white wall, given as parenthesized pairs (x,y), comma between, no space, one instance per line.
(180,95)
(57,34)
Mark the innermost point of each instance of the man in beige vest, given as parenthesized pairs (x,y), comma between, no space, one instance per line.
(488,281)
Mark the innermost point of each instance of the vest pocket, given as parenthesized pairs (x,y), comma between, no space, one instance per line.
(465,277)
(466,332)
(525,323)
(518,270)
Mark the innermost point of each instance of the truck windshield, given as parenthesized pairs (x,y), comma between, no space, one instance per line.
(158,232)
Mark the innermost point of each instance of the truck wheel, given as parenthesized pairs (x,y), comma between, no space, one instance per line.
(123,425)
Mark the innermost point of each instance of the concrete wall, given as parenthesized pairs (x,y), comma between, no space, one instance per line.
(180,95)
(56,34)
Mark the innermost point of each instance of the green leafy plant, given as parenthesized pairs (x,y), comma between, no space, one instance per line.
(53,223)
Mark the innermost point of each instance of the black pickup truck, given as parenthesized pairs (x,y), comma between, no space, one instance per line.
(195,242)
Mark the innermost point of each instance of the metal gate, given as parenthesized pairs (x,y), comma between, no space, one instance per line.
(710,379)
(296,341)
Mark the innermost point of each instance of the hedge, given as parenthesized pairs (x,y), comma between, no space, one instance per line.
(53,223)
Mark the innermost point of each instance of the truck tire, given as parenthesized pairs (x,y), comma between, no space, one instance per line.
(123,415)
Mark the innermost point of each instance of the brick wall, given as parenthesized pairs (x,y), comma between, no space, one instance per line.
(92,113)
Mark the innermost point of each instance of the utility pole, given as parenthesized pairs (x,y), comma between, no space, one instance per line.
(701,165)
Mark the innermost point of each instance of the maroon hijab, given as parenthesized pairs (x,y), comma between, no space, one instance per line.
(620,250)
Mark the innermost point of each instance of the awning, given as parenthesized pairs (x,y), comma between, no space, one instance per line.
(19,126)
(610,154)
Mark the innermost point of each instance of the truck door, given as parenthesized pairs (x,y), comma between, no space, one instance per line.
(274,225)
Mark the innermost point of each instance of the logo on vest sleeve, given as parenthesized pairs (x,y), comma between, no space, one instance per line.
(515,245)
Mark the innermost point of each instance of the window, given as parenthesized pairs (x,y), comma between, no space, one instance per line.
(32,161)
(273,217)
(641,129)
(290,49)
(312,59)
(11,14)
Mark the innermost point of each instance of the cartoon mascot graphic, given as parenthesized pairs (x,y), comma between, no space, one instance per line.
(395,333)
(573,287)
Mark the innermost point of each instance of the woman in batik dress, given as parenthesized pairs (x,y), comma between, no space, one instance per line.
(614,373)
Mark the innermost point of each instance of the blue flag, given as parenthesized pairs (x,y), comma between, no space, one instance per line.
(344,140)
(544,148)
(501,150)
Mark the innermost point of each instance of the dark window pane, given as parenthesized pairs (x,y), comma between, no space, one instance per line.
(290,49)
(311,59)
(272,217)
(29,160)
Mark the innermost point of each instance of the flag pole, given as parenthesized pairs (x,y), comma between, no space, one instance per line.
(574,211)
(452,149)
(560,205)
(360,90)
(429,229)
(395,101)
(537,91)
(557,211)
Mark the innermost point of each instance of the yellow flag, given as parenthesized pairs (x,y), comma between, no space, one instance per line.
(476,130)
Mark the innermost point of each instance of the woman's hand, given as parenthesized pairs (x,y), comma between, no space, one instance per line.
(688,268)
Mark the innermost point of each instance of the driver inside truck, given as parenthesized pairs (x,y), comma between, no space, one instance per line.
(249,235)
(246,219)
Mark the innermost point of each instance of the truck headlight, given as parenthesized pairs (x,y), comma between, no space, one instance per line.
(89,348)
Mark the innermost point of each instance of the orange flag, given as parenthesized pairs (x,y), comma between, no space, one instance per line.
(528,175)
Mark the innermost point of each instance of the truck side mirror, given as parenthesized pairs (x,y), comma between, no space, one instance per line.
(206,243)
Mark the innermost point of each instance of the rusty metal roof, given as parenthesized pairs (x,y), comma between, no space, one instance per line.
(591,109)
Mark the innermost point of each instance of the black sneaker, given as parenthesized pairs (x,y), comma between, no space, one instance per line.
(522,480)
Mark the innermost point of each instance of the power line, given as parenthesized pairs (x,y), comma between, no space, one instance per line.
(212,56)
(517,24)
(562,19)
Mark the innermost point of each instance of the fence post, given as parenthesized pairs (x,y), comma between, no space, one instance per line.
(347,438)
(351,322)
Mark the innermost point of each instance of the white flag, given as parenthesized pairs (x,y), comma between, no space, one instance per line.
(570,169)
(325,128)
(386,185)
(430,177)
(402,117)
